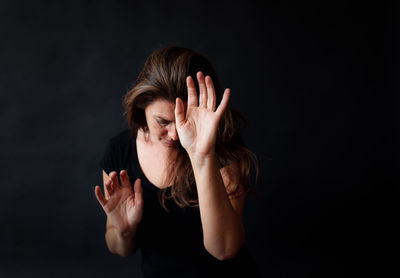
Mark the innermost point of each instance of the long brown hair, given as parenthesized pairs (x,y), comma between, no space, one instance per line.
(164,77)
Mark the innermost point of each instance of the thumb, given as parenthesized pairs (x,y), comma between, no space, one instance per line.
(99,196)
(138,192)
(179,112)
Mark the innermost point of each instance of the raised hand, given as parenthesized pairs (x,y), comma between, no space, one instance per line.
(123,207)
(197,128)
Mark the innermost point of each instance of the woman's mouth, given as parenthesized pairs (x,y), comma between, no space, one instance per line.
(170,143)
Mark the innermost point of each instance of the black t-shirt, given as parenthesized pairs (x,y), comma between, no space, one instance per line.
(171,242)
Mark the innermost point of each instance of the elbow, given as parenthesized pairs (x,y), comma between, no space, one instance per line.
(123,253)
(117,248)
(229,252)
(225,256)
(116,252)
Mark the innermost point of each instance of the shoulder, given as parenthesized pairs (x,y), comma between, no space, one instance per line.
(231,170)
(231,177)
(118,151)
(230,173)
(122,138)
(121,142)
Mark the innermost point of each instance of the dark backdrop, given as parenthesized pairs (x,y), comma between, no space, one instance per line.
(311,79)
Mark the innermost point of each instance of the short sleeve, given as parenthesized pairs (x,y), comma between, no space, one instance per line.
(116,153)
(108,161)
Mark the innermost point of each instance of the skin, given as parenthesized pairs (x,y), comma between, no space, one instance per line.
(160,118)
(195,126)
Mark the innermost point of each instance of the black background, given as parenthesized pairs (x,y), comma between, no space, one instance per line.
(314,81)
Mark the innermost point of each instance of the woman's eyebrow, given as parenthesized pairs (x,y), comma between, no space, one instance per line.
(161,118)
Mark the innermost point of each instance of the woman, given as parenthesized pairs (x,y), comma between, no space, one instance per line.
(191,168)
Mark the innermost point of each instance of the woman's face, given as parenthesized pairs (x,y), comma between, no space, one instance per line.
(160,118)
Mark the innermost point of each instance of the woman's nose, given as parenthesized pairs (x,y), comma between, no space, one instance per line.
(172,133)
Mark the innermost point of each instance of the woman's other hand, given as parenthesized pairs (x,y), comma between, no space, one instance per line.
(197,128)
(124,208)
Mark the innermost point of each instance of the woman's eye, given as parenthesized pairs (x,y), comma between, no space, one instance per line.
(163,122)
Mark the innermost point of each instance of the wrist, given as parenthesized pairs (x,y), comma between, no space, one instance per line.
(128,233)
(198,159)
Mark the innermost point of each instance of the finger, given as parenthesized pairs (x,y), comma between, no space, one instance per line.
(203,90)
(114,179)
(179,112)
(192,94)
(138,192)
(125,179)
(108,188)
(99,196)
(210,94)
(105,189)
(224,103)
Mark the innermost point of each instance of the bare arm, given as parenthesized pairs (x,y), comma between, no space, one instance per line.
(197,129)
(124,211)
(221,217)
(119,244)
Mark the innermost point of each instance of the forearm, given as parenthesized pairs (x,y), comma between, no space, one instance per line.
(222,228)
(121,244)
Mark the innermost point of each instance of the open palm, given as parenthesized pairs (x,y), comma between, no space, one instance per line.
(197,129)
(123,207)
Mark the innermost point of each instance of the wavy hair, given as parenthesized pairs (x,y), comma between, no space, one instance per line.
(163,77)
